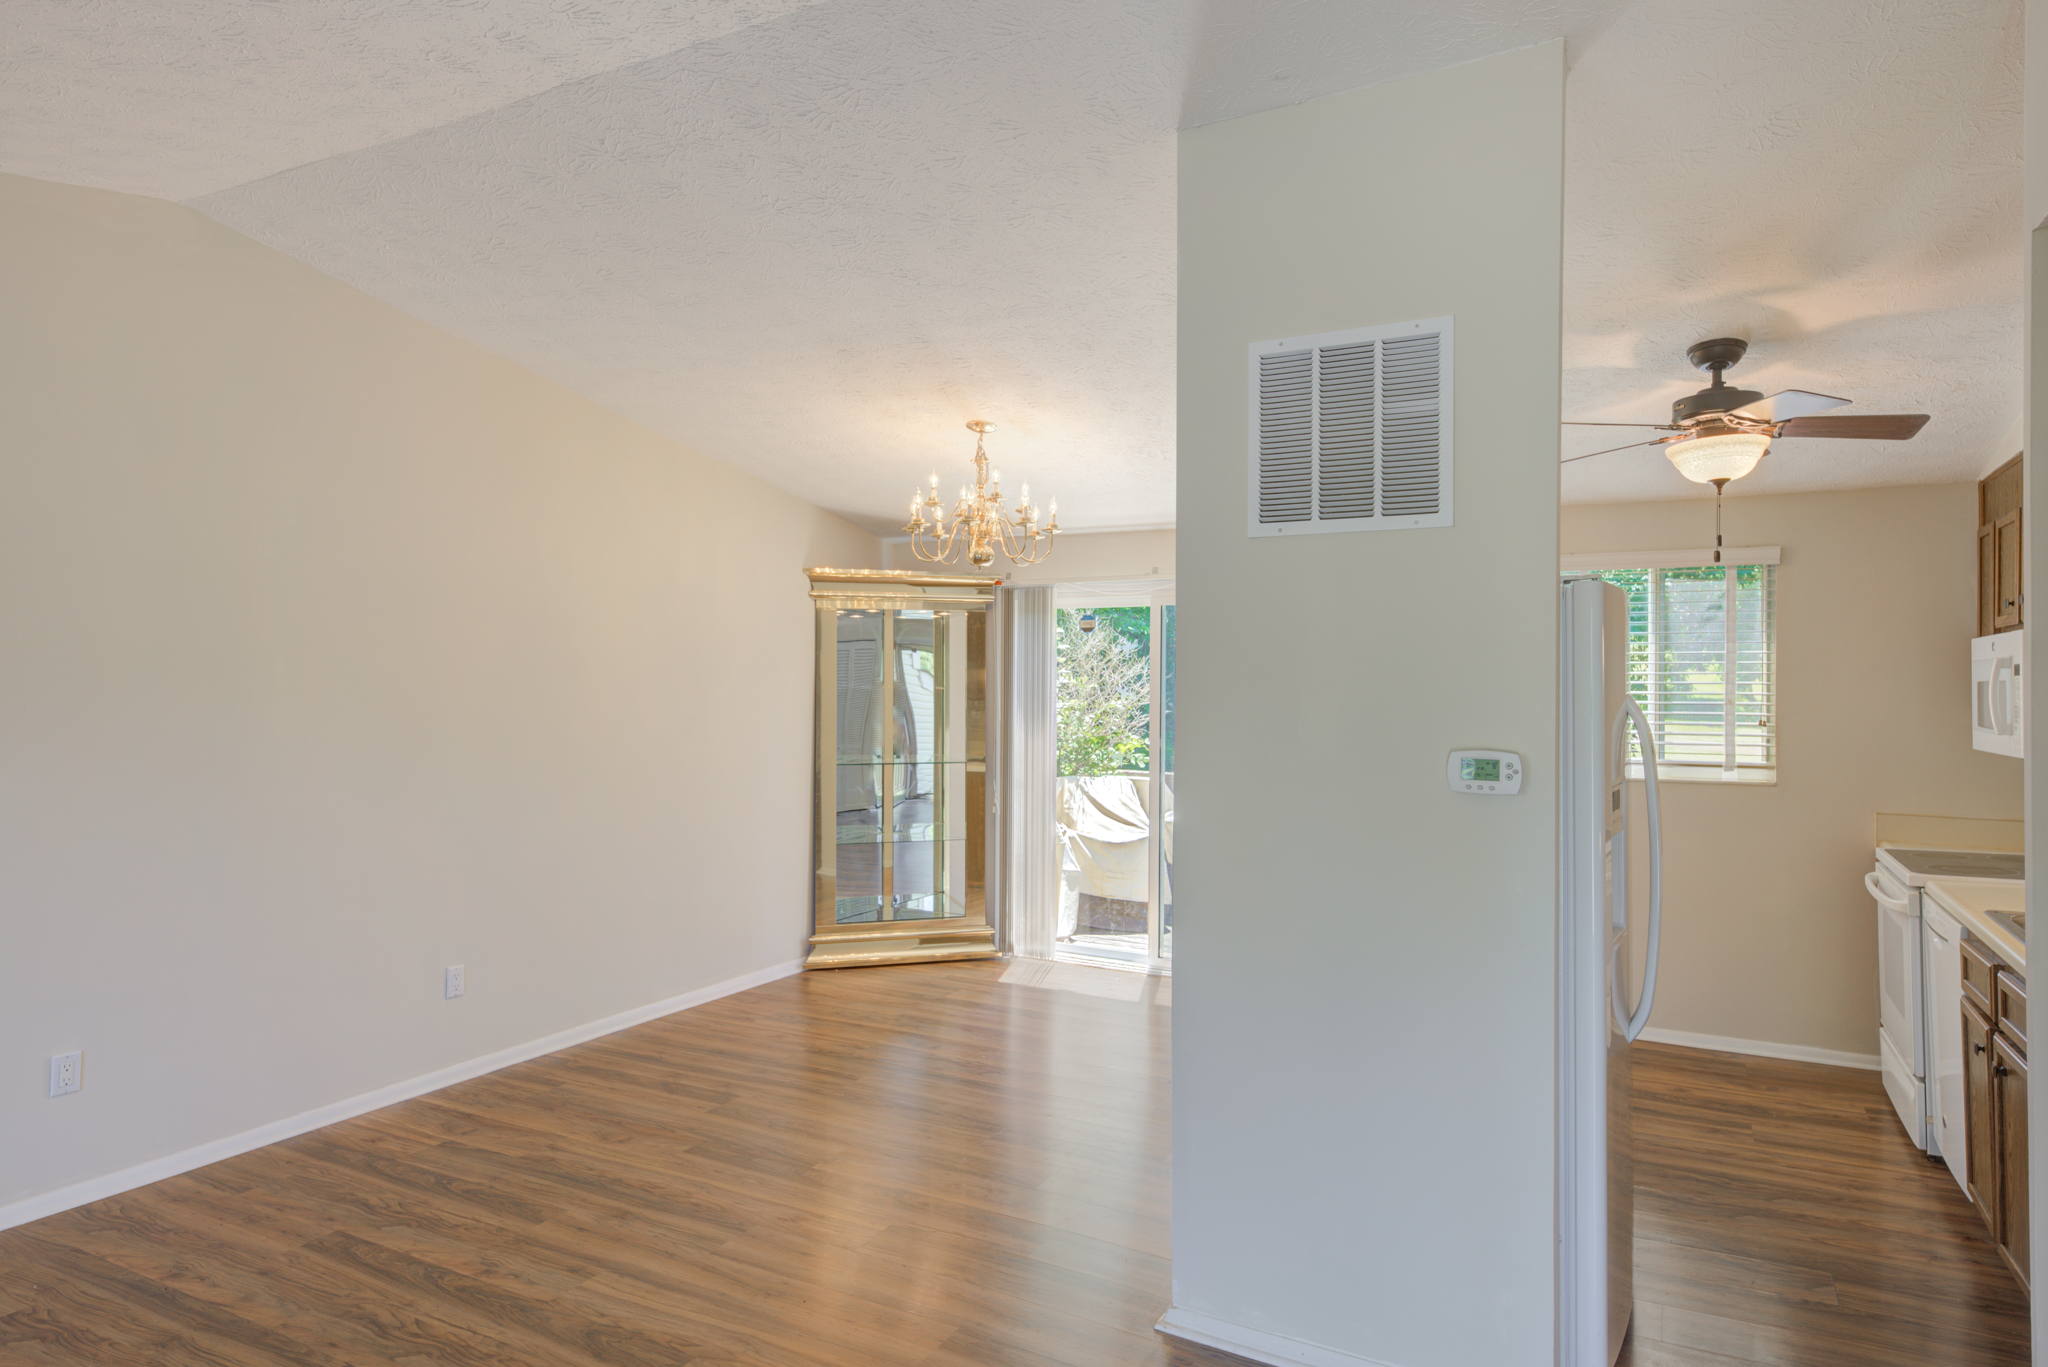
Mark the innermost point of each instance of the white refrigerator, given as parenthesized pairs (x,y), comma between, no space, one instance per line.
(1600,1010)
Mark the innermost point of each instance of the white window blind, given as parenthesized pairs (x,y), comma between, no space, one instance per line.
(1702,663)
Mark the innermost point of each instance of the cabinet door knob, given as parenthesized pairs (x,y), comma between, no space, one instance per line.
(2001,1069)
(1978,1047)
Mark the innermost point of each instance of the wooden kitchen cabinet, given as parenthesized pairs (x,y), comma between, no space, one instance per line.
(2009,1077)
(1980,977)
(1995,1100)
(2001,602)
(1979,1117)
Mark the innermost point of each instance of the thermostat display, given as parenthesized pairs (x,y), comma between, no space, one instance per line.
(1485,771)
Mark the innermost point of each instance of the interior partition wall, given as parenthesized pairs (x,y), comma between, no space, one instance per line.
(1362,941)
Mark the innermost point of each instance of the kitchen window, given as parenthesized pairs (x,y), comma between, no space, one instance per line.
(1702,657)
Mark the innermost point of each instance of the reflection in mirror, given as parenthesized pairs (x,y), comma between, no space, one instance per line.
(859,702)
(860,685)
(859,892)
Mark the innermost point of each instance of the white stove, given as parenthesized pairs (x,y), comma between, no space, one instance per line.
(1918,973)
(1913,867)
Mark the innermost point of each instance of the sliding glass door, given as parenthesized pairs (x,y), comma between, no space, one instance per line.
(1114,790)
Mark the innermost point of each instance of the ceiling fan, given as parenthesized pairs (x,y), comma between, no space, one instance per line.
(1721,432)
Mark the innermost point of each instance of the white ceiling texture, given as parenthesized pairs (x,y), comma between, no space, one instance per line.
(813,237)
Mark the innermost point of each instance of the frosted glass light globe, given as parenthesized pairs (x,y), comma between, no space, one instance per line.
(1732,455)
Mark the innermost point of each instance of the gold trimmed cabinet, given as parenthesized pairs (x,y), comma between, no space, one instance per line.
(903,741)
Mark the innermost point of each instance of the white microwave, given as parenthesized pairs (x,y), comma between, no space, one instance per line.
(1997,699)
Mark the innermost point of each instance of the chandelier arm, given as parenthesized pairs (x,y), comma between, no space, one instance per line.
(1023,553)
(944,540)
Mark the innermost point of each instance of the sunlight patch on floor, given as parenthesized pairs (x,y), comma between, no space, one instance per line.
(1089,981)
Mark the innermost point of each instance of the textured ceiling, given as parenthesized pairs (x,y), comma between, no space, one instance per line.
(176,98)
(1840,184)
(812,237)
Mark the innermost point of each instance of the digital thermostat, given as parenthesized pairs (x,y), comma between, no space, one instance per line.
(1485,771)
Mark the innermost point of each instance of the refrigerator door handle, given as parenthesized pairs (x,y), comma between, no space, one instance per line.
(1648,746)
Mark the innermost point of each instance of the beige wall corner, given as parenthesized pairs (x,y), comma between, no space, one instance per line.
(1364,1057)
(340,650)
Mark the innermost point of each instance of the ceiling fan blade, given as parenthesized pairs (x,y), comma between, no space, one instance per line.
(1866,426)
(1654,441)
(1660,426)
(1789,403)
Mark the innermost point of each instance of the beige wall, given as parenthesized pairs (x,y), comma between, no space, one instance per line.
(1767,930)
(1079,557)
(1364,1060)
(338,650)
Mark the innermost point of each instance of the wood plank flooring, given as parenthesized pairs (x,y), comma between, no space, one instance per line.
(950,1165)
(1783,1218)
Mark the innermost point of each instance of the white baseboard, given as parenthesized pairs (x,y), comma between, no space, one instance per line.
(1797,1053)
(156,1169)
(1256,1344)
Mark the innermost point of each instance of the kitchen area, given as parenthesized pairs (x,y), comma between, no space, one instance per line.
(1822,1155)
(1953,1022)
(1952,943)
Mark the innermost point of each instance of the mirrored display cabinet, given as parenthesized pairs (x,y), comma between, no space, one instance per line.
(903,737)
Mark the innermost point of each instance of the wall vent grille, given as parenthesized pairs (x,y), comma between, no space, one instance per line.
(1351,431)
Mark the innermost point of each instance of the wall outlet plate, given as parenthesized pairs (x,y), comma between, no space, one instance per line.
(452,985)
(67,1072)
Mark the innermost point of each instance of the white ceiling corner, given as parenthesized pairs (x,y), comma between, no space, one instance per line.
(811,237)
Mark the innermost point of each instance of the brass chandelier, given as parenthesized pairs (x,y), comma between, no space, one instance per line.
(978,524)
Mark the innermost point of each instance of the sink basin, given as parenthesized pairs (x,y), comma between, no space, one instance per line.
(2014,921)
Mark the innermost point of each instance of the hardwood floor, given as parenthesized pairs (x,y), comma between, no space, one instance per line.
(947,1165)
(1783,1218)
(950,1165)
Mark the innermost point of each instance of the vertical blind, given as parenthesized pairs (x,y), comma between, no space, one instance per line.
(1702,663)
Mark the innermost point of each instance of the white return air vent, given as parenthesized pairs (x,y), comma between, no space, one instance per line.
(1351,431)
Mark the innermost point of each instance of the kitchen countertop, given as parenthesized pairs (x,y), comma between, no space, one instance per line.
(1972,902)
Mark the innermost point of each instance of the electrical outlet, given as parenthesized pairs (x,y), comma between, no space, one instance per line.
(66,1073)
(451,982)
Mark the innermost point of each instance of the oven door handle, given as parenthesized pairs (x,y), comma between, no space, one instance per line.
(1897,906)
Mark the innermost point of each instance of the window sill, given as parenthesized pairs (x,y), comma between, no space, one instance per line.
(1683,773)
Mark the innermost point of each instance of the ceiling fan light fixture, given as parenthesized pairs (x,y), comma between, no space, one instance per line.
(1713,460)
